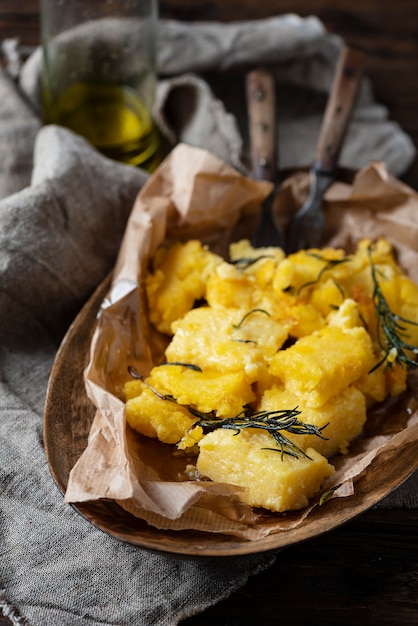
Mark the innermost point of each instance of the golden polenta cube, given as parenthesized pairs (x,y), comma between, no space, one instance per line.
(304,319)
(342,418)
(373,385)
(153,417)
(323,364)
(226,340)
(305,267)
(407,307)
(275,482)
(297,315)
(259,329)
(408,296)
(228,287)
(386,380)
(282,279)
(327,297)
(366,310)
(191,438)
(382,382)
(381,252)
(206,391)
(346,316)
(178,279)
(261,263)
(243,250)
(395,379)
(357,272)
(132,389)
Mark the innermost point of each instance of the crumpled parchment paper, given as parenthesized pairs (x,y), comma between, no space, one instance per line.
(195,195)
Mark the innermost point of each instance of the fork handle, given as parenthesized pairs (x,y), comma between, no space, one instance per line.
(261,104)
(345,85)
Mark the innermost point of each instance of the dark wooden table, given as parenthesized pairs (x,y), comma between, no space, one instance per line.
(365,572)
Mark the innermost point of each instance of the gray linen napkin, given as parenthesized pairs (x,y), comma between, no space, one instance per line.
(62,215)
(59,238)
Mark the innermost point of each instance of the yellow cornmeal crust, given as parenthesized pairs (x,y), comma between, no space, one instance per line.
(177,269)
(225,346)
(153,417)
(268,332)
(321,365)
(270,481)
(204,390)
(342,417)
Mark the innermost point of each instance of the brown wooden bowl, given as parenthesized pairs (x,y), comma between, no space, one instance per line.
(68,416)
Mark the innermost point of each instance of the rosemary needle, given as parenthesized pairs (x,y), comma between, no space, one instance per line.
(190,366)
(244,262)
(247,315)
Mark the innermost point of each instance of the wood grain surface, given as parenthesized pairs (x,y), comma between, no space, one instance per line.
(366,571)
(67,404)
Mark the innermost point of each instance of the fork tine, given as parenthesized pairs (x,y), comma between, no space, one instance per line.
(308,223)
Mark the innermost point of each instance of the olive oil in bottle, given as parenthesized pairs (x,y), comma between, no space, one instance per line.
(113,119)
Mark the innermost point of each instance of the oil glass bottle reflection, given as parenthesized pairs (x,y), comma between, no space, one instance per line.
(99,75)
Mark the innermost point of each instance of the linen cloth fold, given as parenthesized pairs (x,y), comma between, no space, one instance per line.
(62,216)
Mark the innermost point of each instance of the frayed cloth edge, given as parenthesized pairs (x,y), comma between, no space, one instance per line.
(9,611)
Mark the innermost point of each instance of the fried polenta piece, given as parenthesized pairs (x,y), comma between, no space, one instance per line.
(340,419)
(228,287)
(301,269)
(153,417)
(261,263)
(323,364)
(272,481)
(224,393)
(178,279)
(226,340)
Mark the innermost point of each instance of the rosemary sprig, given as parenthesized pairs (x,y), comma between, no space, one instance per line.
(247,315)
(329,265)
(274,422)
(245,341)
(390,328)
(190,366)
(244,262)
